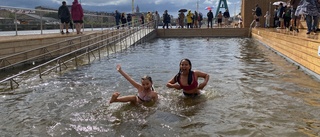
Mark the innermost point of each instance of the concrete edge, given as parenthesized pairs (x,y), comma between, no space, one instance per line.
(301,67)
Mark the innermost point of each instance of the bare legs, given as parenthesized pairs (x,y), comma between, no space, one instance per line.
(78,28)
(115,98)
(297,25)
(62,26)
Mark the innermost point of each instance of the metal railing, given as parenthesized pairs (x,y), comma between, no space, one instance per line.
(90,20)
(124,38)
(250,28)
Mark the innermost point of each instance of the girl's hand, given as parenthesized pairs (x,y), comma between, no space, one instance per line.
(118,67)
(177,86)
(201,86)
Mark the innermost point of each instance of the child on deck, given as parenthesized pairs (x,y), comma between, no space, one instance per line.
(267,16)
(146,92)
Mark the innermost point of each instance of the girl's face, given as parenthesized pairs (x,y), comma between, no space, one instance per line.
(185,66)
(146,84)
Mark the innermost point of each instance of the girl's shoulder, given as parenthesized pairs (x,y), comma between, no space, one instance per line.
(198,72)
(195,71)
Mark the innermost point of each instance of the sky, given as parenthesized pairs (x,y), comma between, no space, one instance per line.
(126,5)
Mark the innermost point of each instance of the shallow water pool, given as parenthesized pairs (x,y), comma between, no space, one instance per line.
(251,92)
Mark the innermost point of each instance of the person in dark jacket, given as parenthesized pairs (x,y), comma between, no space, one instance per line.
(117,16)
(129,19)
(123,19)
(166,19)
(200,19)
(280,13)
(210,17)
(142,20)
(226,16)
(257,14)
(64,16)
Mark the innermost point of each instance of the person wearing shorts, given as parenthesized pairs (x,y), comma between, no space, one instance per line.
(77,15)
(220,16)
(295,20)
(64,16)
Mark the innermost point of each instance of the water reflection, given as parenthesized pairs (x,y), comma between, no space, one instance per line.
(252,92)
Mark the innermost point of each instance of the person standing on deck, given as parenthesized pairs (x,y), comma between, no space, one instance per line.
(280,13)
(156,18)
(258,13)
(77,15)
(226,16)
(200,19)
(129,19)
(295,20)
(64,16)
(117,17)
(189,19)
(123,20)
(220,16)
(210,18)
(166,19)
(309,8)
(181,19)
(267,16)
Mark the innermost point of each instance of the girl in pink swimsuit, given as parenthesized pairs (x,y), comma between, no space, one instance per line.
(146,92)
(187,79)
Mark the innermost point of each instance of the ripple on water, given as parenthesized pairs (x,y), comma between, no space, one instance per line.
(251,92)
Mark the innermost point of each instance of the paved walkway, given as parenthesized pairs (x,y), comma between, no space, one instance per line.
(301,34)
(36,34)
(30,37)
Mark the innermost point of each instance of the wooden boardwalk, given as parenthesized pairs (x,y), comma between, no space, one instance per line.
(300,48)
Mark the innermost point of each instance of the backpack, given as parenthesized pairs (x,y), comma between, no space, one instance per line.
(258,11)
(200,17)
(288,13)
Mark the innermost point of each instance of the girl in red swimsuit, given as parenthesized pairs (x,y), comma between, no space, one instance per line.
(188,79)
(146,92)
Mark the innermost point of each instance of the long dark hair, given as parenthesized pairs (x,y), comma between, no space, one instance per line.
(189,75)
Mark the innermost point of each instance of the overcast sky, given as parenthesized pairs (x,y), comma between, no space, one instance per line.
(126,5)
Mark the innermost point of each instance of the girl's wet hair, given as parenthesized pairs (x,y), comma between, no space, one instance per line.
(190,72)
(188,62)
(148,78)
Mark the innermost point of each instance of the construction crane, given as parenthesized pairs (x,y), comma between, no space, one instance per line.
(222,4)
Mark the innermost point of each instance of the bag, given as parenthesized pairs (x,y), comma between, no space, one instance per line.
(288,13)
(258,11)
(302,8)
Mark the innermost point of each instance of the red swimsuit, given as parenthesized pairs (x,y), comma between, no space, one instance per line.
(193,85)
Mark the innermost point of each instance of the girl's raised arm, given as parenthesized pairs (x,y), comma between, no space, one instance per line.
(125,75)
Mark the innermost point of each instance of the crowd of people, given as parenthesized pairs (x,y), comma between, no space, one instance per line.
(188,20)
(194,20)
(126,19)
(287,15)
